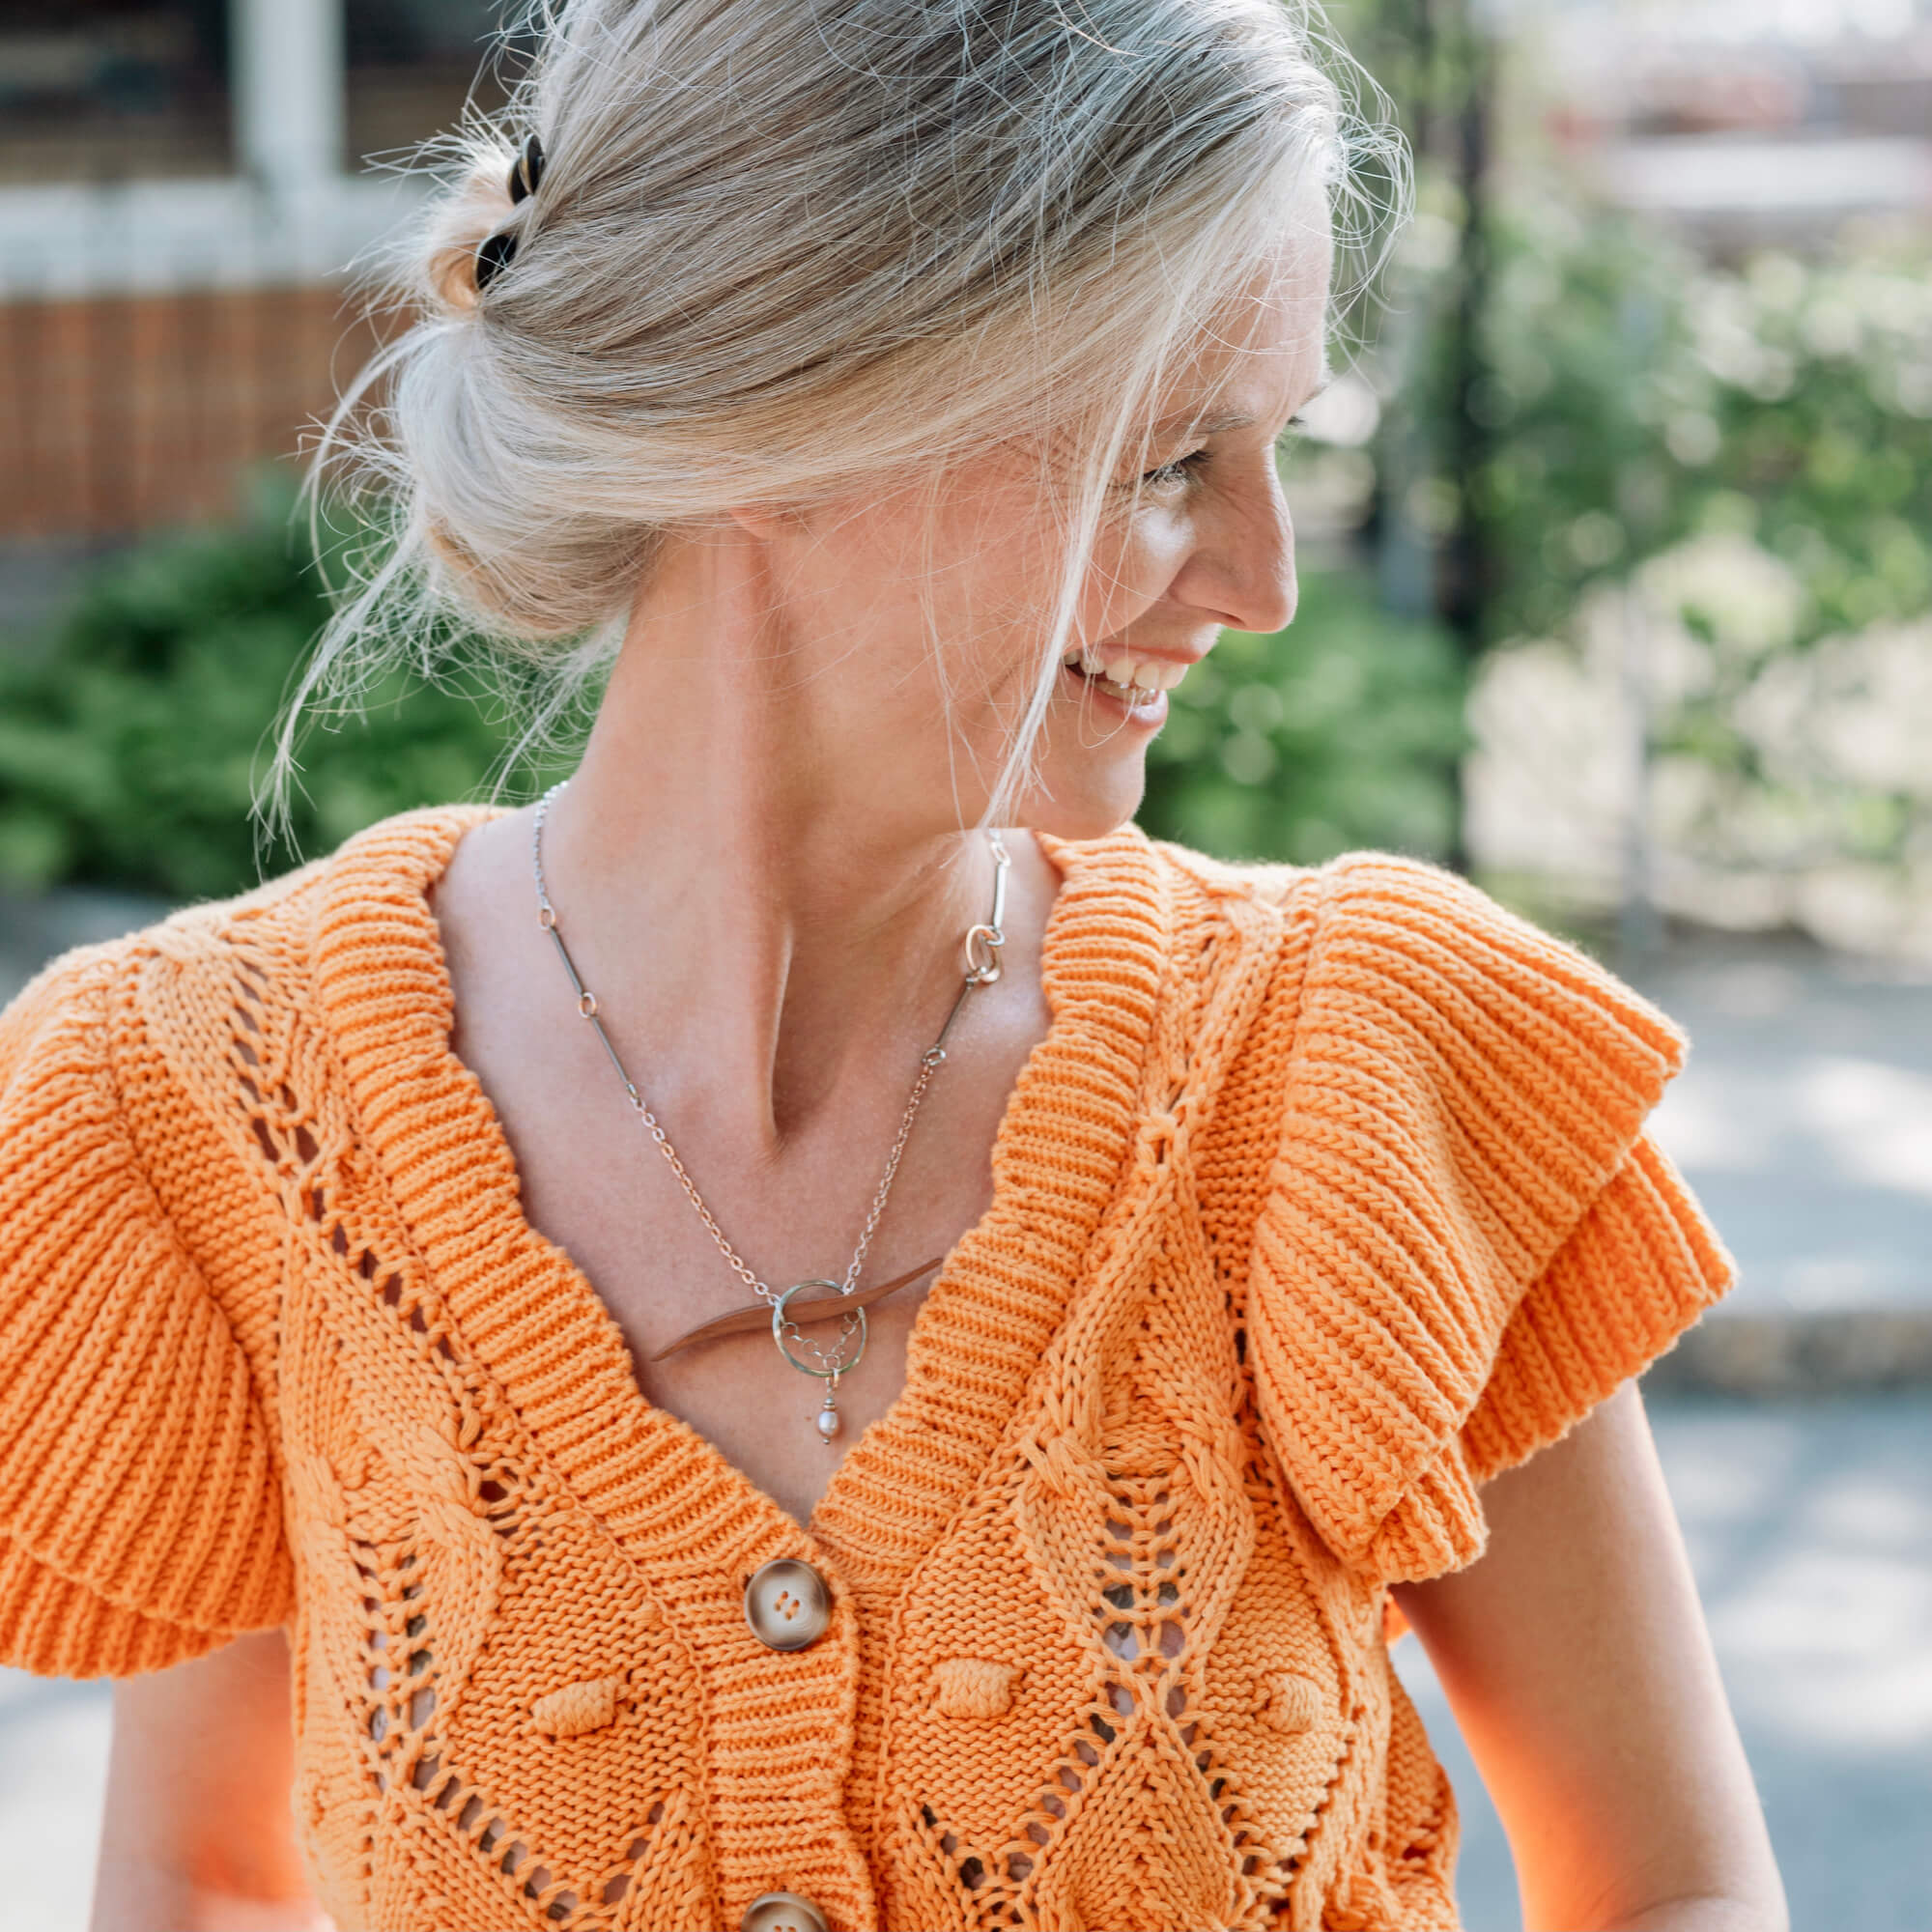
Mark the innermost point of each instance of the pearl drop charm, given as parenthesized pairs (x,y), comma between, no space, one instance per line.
(828,1421)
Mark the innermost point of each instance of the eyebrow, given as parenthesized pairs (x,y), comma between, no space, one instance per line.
(1214,425)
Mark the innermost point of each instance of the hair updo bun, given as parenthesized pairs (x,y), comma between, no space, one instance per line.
(460,224)
(783,246)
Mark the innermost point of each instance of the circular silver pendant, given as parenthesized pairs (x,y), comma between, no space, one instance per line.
(822,1364)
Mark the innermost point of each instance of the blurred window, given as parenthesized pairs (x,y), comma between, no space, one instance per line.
(108,90)
(411,65)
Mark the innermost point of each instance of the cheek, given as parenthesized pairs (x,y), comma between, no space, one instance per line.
(1135,565)
(1134,561)
(996,565)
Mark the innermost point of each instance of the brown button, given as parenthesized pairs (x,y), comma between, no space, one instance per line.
(783,1912)
(787,1606)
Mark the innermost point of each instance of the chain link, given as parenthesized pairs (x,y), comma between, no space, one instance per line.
(982,968)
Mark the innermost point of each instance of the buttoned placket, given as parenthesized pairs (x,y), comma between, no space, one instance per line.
(787,1607)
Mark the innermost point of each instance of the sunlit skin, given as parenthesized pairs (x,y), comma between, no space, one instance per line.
(760,870)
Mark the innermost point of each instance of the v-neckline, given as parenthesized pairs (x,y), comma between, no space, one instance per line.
(538,1323)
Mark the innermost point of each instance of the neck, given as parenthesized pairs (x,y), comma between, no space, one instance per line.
(746,888)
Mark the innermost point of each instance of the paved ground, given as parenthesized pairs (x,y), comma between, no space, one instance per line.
(33,929)
(1804,1118)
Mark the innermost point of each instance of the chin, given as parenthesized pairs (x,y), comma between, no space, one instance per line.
(1097,797)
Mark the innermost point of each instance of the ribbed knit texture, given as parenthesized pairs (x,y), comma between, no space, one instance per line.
(1324,1198)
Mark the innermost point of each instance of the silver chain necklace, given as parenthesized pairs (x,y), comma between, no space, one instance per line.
(982,967)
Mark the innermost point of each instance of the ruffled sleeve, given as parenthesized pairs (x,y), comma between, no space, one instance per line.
(1467,1240)
(140,1516)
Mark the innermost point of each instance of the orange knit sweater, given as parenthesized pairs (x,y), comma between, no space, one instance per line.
(1324,1197)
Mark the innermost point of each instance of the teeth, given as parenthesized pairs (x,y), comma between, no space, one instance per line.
(1128,673)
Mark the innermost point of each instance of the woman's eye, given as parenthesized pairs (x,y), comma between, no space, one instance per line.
(1167,475)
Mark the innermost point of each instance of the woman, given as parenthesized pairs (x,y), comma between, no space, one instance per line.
(895,390)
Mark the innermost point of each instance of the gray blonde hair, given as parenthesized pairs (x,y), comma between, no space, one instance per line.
(783,247)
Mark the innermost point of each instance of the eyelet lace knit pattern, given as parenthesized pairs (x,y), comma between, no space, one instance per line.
(1326,1197)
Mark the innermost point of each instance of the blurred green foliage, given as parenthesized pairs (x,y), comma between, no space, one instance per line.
(1633,396)
(1569,388)
(1343,731)
(130,740)
(1747,446)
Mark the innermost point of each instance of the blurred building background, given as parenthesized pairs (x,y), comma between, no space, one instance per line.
(1617,526)
(1616,543)
(182,184)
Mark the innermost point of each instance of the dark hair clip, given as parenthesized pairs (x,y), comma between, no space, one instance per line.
(492,252)
(498,251)
(527,170)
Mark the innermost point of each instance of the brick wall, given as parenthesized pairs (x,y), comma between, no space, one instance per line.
(121,414)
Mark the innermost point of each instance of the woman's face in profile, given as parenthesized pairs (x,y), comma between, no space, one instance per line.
(1197,538)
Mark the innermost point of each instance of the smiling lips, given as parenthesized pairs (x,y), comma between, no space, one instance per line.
(1126,678)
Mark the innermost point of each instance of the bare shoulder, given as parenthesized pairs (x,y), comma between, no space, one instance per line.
(487,878)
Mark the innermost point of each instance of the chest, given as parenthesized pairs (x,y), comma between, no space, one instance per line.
(596,1185)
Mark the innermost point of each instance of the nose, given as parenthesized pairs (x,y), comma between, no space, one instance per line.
(1242,567)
